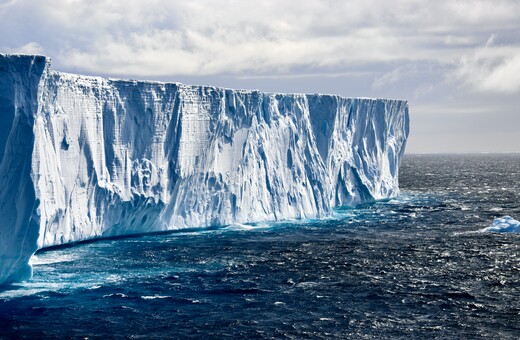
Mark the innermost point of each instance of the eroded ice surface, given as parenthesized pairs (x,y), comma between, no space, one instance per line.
(86,157)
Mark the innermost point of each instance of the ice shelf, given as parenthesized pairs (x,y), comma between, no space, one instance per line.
(86,157)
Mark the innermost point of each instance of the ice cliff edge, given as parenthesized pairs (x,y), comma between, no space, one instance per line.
(86,157)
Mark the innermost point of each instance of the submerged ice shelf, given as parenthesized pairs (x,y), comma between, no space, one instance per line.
(86,157)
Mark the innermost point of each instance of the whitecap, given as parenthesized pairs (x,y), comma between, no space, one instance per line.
(25,289)
(240,226)
(121,295)
(51,258)
(152,297)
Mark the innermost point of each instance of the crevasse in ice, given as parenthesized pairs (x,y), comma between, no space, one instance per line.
(87,157)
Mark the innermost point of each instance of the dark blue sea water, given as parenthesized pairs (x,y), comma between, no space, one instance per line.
(416,266)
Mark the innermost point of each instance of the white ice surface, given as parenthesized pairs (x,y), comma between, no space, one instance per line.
(88,157)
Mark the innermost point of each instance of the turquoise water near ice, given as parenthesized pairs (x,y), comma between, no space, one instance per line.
(415,266)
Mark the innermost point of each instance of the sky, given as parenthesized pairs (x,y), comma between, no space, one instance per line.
(457,62)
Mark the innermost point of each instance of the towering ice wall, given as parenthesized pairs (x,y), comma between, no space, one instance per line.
(87,157)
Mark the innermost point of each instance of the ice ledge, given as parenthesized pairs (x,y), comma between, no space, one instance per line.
(87,157)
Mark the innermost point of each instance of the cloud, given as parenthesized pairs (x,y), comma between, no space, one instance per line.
(491,68)
(29,48)
(394,76)
(505,77)
(7,4)
(204,37)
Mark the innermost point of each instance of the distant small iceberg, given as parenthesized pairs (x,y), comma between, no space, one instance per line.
(505,224)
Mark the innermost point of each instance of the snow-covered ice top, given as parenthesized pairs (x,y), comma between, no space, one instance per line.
(86,157)
(505,224)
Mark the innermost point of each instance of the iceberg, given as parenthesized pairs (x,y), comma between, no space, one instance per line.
(87,157)
(505,224)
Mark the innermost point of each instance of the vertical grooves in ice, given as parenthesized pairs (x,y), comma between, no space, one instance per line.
(103,157)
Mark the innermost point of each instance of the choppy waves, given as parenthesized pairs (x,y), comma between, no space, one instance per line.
(415,266)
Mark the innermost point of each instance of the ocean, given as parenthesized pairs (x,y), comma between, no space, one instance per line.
(411,267)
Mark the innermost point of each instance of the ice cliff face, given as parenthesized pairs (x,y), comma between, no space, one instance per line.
(87,157)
